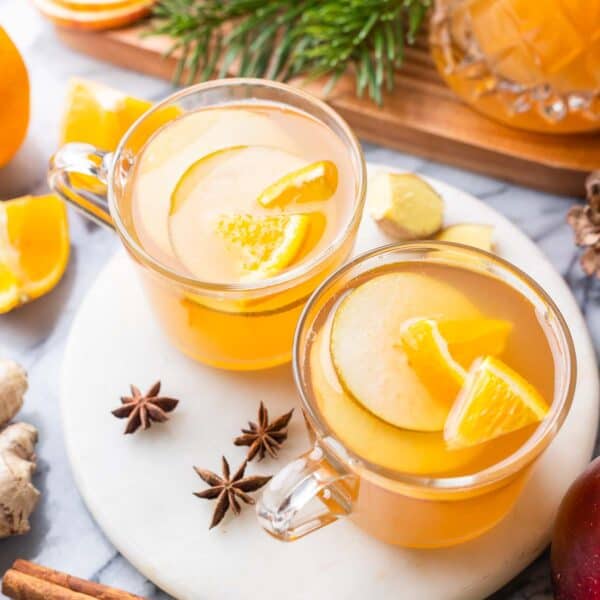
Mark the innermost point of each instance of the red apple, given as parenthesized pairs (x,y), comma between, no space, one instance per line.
(576,543)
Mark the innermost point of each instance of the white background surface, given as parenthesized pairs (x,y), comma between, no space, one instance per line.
(63,533)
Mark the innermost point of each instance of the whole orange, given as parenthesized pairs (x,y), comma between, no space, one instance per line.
(14,99)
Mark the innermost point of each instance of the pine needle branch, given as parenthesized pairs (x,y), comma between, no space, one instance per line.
(281,39)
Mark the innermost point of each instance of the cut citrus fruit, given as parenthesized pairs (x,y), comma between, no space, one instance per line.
(265,245)
(224,182)
(429,357)
(366,354)
(14,91)
(404,205)
(494,401)
(93,19)
(370,437)
(34,248)
(313,183)
(10,295)
(468,340)
(196,172)
(99,5)
(100,115)
(470,234)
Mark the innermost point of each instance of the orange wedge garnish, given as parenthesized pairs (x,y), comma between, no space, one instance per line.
(429,357)
(34,248)
(313,183)
(494,401)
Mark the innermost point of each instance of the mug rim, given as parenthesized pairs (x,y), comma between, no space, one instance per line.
(509,465)
(294,273)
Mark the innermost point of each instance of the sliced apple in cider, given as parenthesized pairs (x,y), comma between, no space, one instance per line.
(195,173)
(365,353)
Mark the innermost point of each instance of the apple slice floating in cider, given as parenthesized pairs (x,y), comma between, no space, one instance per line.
(366,355)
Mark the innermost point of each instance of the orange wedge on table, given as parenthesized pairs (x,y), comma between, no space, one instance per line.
(98,115)
(494,401)
(34,248)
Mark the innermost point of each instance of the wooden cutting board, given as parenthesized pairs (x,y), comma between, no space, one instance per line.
(422,116)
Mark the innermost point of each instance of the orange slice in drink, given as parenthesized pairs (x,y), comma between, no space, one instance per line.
(494,401)
(265,245)
(469,339)
(315,182)
(429,357)
(34,248)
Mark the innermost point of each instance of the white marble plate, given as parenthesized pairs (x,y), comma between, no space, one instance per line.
(139,488)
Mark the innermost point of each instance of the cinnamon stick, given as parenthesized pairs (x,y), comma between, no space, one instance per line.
(29,581)
(20,586)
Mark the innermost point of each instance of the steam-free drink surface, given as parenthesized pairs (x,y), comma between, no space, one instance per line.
(431,291)
(234,153)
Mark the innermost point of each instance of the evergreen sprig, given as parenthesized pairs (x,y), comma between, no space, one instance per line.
(281,39)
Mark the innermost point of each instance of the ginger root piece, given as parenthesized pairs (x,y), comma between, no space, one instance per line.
(470,234)
(18,497)
(404,205)
(13,385)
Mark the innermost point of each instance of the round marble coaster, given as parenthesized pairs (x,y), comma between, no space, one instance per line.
(139,488)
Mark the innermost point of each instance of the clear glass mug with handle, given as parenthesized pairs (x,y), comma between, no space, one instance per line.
(240,326)
(332,480)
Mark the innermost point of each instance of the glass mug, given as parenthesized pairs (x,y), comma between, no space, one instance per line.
(240,326)
(331,481)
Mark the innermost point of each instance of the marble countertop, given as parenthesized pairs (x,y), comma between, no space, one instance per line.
(64,535)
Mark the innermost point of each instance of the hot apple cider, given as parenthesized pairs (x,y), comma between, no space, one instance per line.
(242,197)
(432,370)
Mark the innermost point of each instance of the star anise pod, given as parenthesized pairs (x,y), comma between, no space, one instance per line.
(264,437)
(141,409)
(585,221)
(227,490)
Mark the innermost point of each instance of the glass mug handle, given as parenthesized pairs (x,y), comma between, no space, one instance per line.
(284,506)
(79,175)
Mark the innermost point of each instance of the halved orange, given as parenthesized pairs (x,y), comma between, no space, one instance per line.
(34,248)
(494,401)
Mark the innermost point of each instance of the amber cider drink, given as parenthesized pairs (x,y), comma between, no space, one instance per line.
(254,202)
(431,376)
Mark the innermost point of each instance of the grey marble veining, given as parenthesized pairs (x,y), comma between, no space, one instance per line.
(64,535)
